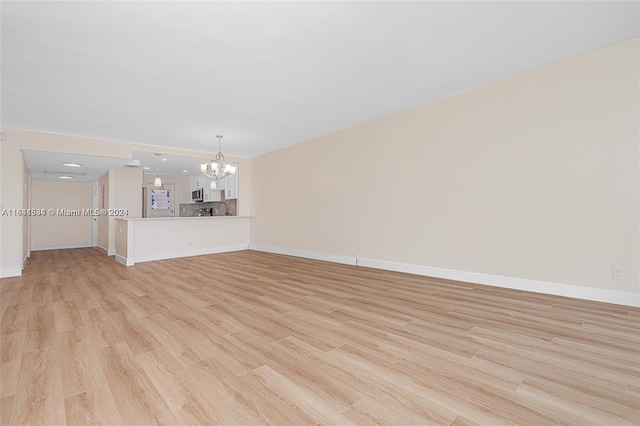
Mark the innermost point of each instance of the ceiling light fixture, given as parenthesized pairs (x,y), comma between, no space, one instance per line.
(158,182)
(218,169)
(65,177)
(72,164)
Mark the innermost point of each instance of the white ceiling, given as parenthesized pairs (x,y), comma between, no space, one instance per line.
(270,74)
(46,165)
(170,164)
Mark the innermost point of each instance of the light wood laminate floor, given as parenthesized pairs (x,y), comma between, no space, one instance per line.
(250,338)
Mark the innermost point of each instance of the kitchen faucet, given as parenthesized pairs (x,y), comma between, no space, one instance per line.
(226,208)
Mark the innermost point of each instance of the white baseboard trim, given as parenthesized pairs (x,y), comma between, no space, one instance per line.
(125,261)
(200,252)
(546,287)
(347,260)
(111,252)
(61,246)
(14,271)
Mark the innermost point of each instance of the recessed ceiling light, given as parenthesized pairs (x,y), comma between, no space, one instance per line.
(72,164)
(65,177)
(185,171)
(164,159)
(147,168)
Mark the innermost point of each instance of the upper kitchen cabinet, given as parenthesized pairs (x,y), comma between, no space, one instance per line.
(230,184)
(197,181)
(211,190)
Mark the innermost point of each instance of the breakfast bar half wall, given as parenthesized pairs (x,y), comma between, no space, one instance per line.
(147,239)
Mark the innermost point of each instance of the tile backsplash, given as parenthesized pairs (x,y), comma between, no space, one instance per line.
(218,208)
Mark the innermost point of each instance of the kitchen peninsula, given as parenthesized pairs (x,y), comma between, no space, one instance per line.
(147,239)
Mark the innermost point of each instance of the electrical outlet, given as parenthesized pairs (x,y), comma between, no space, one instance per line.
(616,273)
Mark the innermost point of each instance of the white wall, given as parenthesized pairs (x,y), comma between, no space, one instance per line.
(55,231)
(533,177)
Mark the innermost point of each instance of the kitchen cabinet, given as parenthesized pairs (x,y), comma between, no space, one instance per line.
(211,194)
(197,181)
(204,182)
(230,185)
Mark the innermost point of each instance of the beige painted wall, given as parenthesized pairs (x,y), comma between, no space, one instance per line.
(57,231)
(122,243)
(105,194)
(128,190)
(26,220)
(535,176)
(12,179)
(11,197)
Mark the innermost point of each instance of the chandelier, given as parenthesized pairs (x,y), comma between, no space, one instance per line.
(218,169)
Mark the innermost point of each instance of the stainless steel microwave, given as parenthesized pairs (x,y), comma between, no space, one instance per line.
(197,195)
